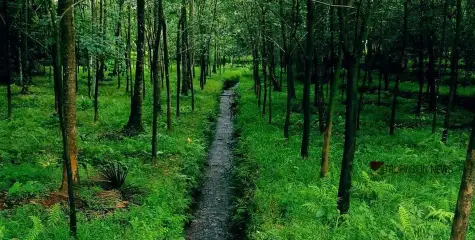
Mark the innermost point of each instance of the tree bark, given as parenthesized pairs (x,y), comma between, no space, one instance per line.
(464,200)
(68,118)
(134,125)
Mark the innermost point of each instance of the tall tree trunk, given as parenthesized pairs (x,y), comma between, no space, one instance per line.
(156,85)
(464,200)
(307,81)
(185,80)
(290,71)
(128,67)
(166,62)
(290,76)
(329,120)
(135,119)
(24,59)
(421,74)
(440,65)
(351,111)
(403,67)
(117,61)
(5,26)
(453,71)
(178,67)
(68,105)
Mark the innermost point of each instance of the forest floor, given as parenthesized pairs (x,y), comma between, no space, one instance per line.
(284,197)
(214,210)
(155,201)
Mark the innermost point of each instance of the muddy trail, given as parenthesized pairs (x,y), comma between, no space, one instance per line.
(212,218)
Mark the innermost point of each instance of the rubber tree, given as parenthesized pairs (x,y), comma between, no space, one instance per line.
(289,55)
(400,71)
(5,57)
(350,56)
(465,197)
(334,82)
(166,61)
(156,84)
(453,71)
(308,78)
(134,124)
(67,104)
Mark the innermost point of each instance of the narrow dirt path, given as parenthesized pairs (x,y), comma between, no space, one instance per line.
(214,210)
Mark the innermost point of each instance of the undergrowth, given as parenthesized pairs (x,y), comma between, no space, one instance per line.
(153,201)
(283,196)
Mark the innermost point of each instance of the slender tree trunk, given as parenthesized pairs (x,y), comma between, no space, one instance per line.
(403,67)
(135,119)
(363,90)
(178,67)
(24,56)
(440,65)
(351,109)
(6,51)
(329,121)
(167,74)
(68,117)
(421,60)
(379,87)
(290,76)
(128,67)
(307,81)
(394,106)
(453,71)
(156,85)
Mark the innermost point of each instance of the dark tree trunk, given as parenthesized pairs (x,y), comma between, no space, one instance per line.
(24,56)
(401,71)
(307,81)
(351,109)
(440,65)
(156,85)
(5,41)
(135,119)
(453,71)
(420,74)
(167,74)
(394,107)
(178,67)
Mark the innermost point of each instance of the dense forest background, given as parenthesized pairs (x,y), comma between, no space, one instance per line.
(110,108)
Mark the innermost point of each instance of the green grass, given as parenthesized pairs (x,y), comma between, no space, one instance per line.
(288,199)
(30,164)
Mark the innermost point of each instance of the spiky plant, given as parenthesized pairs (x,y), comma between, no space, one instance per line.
(114,173)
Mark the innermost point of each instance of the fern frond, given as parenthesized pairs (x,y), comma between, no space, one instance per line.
(54,216)
(36,229)
(404,219)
